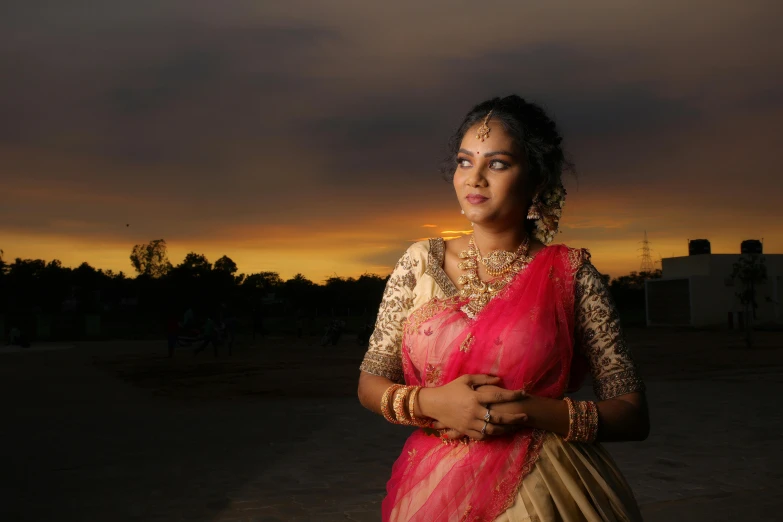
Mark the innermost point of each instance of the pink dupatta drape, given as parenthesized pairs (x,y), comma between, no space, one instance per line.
(524,336)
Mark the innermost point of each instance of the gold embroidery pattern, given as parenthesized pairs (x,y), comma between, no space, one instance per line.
(467,343)
(433,375)
(533,451)
(435,266)
(426,312)
(577,257)
(409,280)
(599,336)
(383,356)
(383,365)
(619,383)
(411,455)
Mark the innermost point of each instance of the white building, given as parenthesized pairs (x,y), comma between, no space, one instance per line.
(697,290)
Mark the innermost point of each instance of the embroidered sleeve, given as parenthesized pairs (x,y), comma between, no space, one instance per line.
(599,336)
(383,356)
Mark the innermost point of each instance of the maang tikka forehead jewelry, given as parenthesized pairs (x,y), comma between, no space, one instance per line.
(483,132)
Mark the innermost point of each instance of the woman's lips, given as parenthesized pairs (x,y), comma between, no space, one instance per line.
(475,199)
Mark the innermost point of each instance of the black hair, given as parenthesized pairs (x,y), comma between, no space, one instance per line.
(534,133)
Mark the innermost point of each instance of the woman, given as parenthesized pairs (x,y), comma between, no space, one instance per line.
(488,332)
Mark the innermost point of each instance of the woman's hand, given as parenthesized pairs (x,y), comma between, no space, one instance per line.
(461,406)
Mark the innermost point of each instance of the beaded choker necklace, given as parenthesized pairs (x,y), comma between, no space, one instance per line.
(499,264)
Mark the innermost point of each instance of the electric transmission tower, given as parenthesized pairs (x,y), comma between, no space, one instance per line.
(647,262)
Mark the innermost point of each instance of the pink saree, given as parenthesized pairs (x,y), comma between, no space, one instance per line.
(524,336)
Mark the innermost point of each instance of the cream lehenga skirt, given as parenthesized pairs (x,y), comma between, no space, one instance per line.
(573,482)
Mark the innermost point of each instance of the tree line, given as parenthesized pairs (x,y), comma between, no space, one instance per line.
(35,285)
(161,289)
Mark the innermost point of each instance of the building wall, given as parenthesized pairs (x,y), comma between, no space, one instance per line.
(711,301)
(686,266)
(712,293)
(719,265)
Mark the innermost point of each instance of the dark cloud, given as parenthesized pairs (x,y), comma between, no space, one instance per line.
(562,79)
(194,117)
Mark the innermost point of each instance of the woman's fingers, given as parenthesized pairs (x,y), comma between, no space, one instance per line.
(500,395)
(481,380)
(508,418)
(451,434)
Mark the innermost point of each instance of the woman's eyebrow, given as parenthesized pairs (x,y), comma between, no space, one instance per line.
(493,153)
(499,153)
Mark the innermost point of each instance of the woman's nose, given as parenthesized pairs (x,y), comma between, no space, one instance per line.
(476,179)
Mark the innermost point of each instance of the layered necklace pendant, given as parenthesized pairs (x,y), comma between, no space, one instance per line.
(499,264)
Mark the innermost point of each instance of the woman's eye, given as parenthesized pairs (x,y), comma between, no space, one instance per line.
(461,162)
(498,165)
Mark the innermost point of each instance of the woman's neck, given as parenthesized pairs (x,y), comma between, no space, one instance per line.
(508,240)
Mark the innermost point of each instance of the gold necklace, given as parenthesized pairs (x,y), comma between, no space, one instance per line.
(499,262)
(478,292)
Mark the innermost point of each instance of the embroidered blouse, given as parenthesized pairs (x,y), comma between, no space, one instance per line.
(419,276)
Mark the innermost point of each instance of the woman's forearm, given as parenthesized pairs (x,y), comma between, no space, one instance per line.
(620,419)
(623,418)
(546,414)
(371,389)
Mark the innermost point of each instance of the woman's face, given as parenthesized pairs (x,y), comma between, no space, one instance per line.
(490,180)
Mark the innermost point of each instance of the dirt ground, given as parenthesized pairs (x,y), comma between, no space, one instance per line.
(116,431)
(292,367)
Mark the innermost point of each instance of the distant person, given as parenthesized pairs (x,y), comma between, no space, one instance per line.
(17,338)
(230,323)
(210,336)
(188,320)
(333,332)
(480,338)
(13,336)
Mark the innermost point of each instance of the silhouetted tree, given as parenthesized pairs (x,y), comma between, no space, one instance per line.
(195,265)
(151,259)
(226,264)
(265,281)
(751,270)
(300,291)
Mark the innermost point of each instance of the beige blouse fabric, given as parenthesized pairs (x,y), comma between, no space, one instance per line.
(570,482)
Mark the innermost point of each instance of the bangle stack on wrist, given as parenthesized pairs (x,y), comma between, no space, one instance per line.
(386,402)
(398,404)
(582,421)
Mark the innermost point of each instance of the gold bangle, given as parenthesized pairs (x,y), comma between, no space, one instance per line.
(592,422)
(412,404)
(386,409)
(570,436)
(400,397)
(582,421)
(423,422)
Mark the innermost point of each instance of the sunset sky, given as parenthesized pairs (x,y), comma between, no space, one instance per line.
(306,136)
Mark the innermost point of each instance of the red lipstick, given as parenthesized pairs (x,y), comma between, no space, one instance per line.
(476,199)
